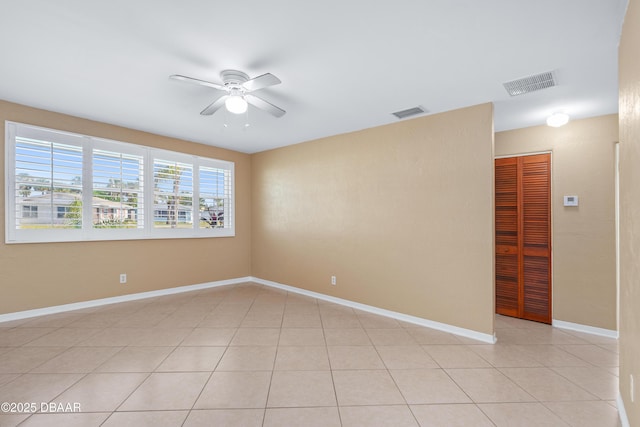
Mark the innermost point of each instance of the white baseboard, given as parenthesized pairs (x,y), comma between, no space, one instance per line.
(468,333)
(585,328)
(112,300)
(622,413)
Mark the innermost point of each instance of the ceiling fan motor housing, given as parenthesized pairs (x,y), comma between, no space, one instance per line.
(232,78)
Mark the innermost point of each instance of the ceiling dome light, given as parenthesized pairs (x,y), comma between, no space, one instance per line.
(236,104)
(557,119)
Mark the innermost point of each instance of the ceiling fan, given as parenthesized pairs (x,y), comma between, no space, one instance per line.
(238,91)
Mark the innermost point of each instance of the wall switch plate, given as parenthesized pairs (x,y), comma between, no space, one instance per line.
(571,200)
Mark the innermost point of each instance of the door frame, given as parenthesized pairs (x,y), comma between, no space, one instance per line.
(528,153)
(617,201)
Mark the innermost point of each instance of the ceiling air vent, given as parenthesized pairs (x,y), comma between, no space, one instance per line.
(530,84)
(409,112)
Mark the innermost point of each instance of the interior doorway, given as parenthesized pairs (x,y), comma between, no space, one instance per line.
(523,237)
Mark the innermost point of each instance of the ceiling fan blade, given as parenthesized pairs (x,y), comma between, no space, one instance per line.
(214,106)
(261,82)
(197,81)
(264,105)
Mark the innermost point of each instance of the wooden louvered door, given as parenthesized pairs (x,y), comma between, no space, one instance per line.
(523,237)
(507,237)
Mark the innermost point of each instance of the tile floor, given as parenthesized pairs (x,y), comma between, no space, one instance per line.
(249,355)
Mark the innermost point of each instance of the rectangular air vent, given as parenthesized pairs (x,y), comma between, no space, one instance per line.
(409,112)
(530,83)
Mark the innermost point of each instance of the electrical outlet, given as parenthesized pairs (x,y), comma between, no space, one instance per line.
(333,280)
(631,388)
(123,278)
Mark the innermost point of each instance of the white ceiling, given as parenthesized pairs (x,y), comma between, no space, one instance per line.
(345,65)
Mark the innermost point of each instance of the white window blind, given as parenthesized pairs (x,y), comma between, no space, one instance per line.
(69,187)
(215,197)
(118,190)
(47,177)
(173,194)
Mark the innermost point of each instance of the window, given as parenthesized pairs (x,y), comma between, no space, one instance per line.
(118,184)
(69,187)
(29,211)
(173,194)
(63,211)
(214,203)
(48,178)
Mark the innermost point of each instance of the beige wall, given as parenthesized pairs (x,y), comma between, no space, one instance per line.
(42,275)
(584,260)
(402,214)
(630,210)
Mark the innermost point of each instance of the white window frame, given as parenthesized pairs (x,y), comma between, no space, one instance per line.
(90,233)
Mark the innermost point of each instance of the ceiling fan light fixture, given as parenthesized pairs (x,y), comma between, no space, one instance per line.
(236,104)
(557,119)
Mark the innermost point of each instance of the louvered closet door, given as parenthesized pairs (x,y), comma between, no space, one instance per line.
(507,244)
(523,237)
